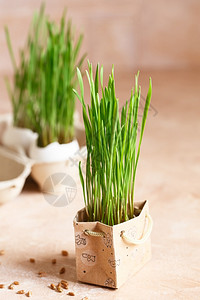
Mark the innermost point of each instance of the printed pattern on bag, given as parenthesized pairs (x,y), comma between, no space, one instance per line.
(89,258)
(114,263)
(132,232)
(108,240)
(109,282)
(80,242)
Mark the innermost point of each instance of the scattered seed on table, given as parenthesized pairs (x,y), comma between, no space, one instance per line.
(53,261)
(32,260)
(64,281)
(85,298)
(2,252)
(64,253)
(20,292)
(62,270)
(59,289)
(2,286)
(29,294)
(11,286)
(16,282)
(71,294)
(52,286)
(64,285)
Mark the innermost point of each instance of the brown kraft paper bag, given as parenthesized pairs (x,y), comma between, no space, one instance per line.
(109,255)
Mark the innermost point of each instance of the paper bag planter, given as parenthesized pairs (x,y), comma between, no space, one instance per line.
(109,255)
(108,248)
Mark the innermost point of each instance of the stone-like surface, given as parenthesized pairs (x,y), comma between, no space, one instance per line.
(168,176)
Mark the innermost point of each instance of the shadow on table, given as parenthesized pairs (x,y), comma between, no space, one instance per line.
(30,185)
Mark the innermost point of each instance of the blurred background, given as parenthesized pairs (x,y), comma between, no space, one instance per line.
(131,34)
(128,33)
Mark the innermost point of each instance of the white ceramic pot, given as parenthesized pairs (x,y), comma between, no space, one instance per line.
(50,160)
(54,160)
(5,121)
(13,173)
(19,139)
(53,152)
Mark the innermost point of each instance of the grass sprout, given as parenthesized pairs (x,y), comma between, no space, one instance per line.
(112,148)
(42,94)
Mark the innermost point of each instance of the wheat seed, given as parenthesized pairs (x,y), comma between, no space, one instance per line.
(52,286)
(71,294)
(64,285)
(29,294)
(11,286)
(20,292)
(59,288)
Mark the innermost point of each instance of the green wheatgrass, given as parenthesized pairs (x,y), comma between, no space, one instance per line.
(112,151)
(42,94)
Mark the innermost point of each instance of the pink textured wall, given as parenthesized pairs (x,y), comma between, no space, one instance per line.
(129,33)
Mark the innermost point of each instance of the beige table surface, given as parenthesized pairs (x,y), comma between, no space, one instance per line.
(168,175)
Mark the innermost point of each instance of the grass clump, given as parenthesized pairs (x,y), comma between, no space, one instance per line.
(112,149)
(42,94)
